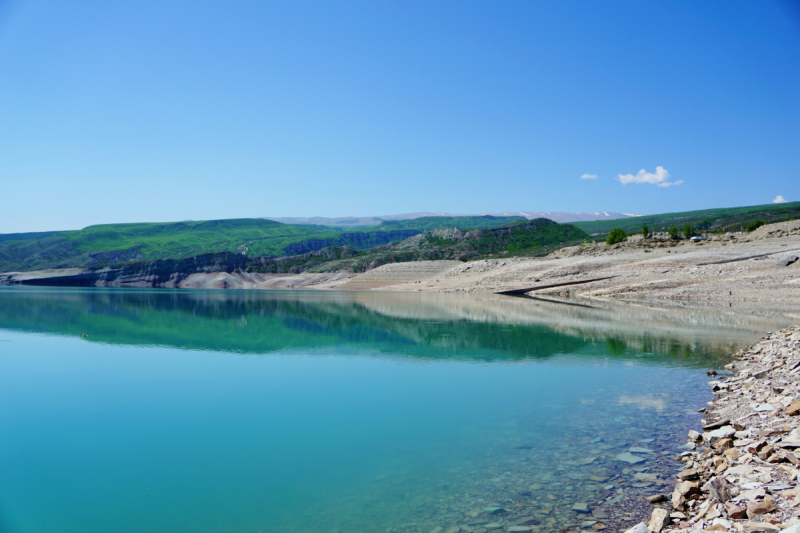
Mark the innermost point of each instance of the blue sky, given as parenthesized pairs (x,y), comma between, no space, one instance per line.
(161,111)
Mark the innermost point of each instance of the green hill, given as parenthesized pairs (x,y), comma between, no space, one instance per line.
(120,243)
(324,247)
(518,238)
(721,219)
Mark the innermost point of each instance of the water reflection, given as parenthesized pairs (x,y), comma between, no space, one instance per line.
(361,411)
(416,325)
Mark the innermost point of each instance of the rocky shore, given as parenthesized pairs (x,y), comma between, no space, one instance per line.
(741,472)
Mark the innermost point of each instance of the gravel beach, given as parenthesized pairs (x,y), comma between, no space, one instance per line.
(741,474)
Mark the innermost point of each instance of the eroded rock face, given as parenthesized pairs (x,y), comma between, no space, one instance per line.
(162,273)
(743,472)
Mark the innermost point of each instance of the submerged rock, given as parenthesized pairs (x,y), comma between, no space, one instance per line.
(630,458)
(639,528)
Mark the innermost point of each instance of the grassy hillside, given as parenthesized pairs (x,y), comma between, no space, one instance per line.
(26,236)
(465,223)
(534,237)
(724,219)
(119,243)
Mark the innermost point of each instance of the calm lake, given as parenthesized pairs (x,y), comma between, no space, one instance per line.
(246,411)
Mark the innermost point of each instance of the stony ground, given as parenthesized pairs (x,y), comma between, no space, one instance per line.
(657,270)
(733,270)
(743,473)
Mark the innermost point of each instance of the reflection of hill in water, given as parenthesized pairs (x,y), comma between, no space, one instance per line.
(418,325)
(642,327)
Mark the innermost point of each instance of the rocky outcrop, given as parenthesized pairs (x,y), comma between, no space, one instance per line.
(162,273)
(780,229)
(173,272)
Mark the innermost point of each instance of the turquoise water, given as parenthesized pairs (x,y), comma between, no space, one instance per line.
(323,412)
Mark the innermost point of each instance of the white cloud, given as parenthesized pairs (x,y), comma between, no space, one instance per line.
(779,200)
(660,178)
(589,177)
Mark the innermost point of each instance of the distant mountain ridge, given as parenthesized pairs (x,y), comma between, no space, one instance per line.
(560,217)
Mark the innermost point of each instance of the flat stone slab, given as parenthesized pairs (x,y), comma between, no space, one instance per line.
(637,449)
(765,407)
(628,457)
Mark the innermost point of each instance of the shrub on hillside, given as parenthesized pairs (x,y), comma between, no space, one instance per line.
(616,235)
(754,225)
(645,230)
(674,234)
(688,232)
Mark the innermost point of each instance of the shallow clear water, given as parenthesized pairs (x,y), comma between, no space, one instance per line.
(224,411)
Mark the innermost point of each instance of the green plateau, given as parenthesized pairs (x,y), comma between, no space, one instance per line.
(123,243)
(709,220)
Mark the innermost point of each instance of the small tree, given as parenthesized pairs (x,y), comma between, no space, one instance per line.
(674,234)
(754,225)
(645,231)
(616,235)
(688,232)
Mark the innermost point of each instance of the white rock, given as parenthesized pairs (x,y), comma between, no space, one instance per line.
(721,433)
(658,520)
(752,495)
(641,527)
